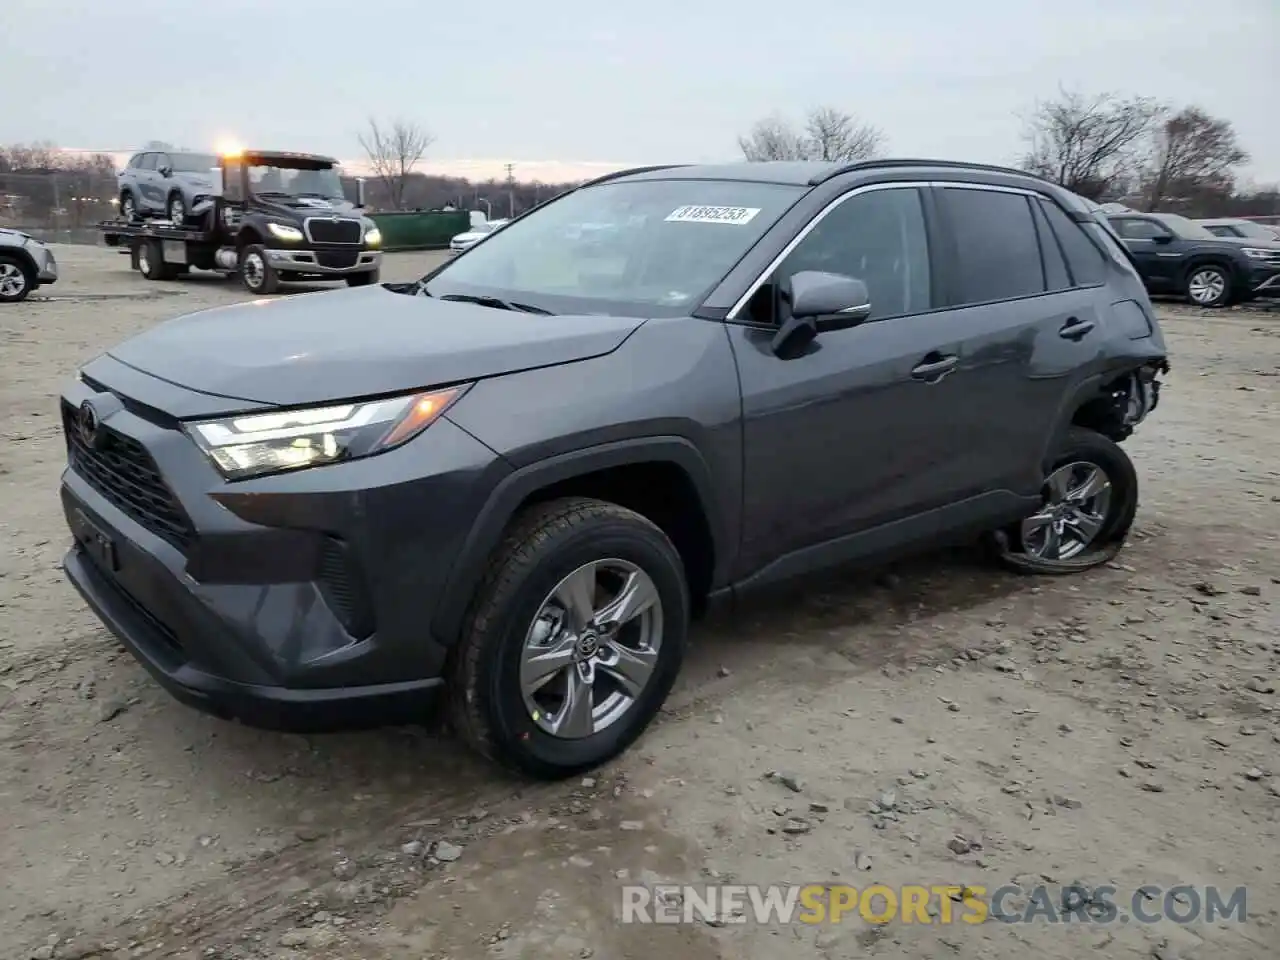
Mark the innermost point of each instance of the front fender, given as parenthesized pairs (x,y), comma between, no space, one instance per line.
(518,486)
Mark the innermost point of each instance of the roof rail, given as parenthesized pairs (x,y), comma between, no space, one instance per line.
(951,164)
(604,178)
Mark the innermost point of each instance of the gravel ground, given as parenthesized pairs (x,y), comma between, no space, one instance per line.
(941,723)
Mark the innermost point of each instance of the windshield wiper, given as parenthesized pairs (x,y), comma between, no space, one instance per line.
(497,303)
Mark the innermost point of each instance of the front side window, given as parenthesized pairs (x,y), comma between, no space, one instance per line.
(1133,228)
(147,161)
(877,237)
(997,252)
(653,247)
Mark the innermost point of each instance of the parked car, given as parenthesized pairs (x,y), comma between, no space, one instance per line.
(1237,227)
(514,481)
(478,231)
(1179,256)
(166,184)
(25,264)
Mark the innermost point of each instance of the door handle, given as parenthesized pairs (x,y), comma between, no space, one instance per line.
(934,367)
(1075,329)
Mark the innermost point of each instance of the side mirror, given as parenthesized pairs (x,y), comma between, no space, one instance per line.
(1163,238)
(166,171)
(360,192)
(819,302)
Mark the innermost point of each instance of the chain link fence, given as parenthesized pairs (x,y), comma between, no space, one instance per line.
(60,206)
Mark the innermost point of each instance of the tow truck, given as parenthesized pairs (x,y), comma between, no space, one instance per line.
(278,216)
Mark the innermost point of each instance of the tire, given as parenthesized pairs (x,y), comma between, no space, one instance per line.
(16,280)
(1022,546)
(1208,285)
(362,279)
(257,275)
(128,206)
(151,261)
(490,708)
(176,209)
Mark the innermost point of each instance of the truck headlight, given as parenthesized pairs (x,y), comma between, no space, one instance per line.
(282,231)
(264,443)
(373,237)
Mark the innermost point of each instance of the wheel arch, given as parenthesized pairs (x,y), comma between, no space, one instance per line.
(664,478)
(1209,260)
(24,260)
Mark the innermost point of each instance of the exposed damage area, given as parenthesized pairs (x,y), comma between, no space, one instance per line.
(1124,402)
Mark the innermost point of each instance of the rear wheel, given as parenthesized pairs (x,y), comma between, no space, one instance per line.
(573,641)
(1090,500)
(151,261)
(16,280)
(1208,286)
(257,275)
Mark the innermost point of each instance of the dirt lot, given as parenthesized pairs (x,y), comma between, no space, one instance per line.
(1117,728)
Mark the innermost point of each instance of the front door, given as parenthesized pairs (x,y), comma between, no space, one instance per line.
(1154,247)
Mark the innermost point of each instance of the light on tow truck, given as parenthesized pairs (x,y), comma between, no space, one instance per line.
(373,237)
(282,231)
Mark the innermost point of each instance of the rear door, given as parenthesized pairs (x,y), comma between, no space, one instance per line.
(145,179)
(1027,334)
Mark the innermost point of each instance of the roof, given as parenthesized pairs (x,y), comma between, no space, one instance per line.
(800,173)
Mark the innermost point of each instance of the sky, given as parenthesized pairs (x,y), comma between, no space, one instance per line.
(564,89)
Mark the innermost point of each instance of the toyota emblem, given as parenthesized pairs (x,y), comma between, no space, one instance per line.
(88,423)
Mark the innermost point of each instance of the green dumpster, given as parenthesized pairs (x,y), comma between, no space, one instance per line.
(421,231)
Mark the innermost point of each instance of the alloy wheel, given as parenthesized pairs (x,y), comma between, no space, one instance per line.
(592,649)
(1077,501)
(13,281)
(177,210)
(1206,286)
(254,270)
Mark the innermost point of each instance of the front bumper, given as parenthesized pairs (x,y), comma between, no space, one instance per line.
(327,262)
(294,602)
(1264,280)
(46,265)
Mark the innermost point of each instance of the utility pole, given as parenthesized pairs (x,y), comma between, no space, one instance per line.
(511,190)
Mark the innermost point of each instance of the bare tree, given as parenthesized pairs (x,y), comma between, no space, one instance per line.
(1191,152)
(836,136)
(1089,144)
(827,134)
(393,154)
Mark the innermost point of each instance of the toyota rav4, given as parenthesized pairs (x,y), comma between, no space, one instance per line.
(516,479)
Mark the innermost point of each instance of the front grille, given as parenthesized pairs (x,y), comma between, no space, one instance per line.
(122,471)
(337,258)
(343,587)
(324,230)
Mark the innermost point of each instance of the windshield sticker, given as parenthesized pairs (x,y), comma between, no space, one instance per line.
(693,214)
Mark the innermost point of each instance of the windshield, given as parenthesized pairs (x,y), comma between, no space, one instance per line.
(1184,228)
(487,227)
(194,162)
(1257,231)
(639,248)
(295,181)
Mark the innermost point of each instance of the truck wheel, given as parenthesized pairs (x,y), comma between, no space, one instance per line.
(177,209)
(1090,500)
(1208,285)
(16,280)
(256,274)
(362,279)
(573,640)
(151,261)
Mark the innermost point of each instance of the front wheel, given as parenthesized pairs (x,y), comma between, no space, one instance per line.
(257,275)
(128,208)
(177,210)
(573,640)
(1208,286)
(15,280)
(1090,500)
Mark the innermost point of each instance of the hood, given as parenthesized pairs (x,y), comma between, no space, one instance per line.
(1255,242)
(308,206)
(313,348)
(206,181)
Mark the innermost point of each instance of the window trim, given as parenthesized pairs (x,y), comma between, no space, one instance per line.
(919,187)
(1043,218)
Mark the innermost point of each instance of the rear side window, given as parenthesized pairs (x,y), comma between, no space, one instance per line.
(1083,258)
(1056,275)
(997,253)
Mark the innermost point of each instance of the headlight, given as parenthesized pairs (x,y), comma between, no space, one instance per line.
(287,440)
(373,237)
(284,232)
(1254,253)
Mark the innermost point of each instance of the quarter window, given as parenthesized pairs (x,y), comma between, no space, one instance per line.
(1056,276)
(877,237)
(1083,257)
(997,252)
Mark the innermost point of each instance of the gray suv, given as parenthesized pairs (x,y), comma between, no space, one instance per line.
(168,184)
(515,480)
(25,264)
